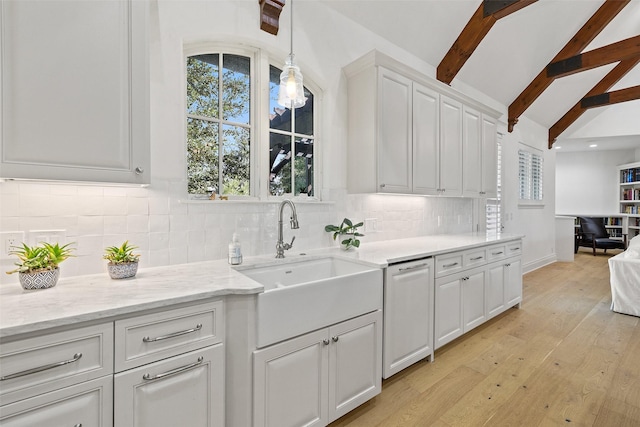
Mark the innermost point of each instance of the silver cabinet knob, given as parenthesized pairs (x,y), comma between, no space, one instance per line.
(335,339)
(139,170)
(325,341)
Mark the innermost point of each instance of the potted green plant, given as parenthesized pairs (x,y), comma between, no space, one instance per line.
(347,229)
(123,263)
(38,266)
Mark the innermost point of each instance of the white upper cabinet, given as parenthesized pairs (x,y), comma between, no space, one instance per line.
(426,140)
(394,133)
(75,95)
(406,132)
(450,147)
(489,157)
(472,149)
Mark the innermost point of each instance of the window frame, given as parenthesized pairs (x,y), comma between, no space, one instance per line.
(261,59)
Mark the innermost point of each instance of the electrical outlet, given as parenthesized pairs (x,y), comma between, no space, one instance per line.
(371,225)
(9,240)
(47,236)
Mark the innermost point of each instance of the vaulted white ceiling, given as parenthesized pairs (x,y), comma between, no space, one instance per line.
(516,49)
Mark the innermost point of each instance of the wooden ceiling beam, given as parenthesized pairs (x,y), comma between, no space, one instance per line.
(584,36)
(609,98)
(602,86)
(628,48)
(476,29)
(270,15)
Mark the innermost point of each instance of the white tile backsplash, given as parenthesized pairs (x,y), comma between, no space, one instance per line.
(170,230)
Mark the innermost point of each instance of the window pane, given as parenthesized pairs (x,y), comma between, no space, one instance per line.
(202,85)
(236,85)
(235,173)
(279,117)
(304,115)
(303,166)
(280,161)
(202,156)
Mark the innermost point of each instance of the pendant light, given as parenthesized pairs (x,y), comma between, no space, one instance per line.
(291,93)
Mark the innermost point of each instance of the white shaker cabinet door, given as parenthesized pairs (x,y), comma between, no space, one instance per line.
(489,157)
(450,147)
(185,390)
(426,140)
(394,133)
(471,152)
(85,404)
(75,96)
(291,382)
(448,311)
(355,363)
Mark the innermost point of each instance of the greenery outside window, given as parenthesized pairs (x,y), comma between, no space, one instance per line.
(230,128)
(219,129)
(291,153)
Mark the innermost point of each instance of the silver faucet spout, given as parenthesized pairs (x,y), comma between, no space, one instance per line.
(280,245)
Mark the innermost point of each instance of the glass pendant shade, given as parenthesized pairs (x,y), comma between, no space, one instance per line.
(291,94)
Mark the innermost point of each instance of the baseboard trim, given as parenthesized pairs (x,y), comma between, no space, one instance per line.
(539,263)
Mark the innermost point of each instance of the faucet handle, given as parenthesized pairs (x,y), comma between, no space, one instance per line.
(288,246)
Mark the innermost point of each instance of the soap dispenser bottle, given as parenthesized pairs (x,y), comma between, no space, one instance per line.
(235,252)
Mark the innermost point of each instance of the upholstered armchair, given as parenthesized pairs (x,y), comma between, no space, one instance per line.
(593,234)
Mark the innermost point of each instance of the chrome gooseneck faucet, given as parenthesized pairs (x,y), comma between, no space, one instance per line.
(281,246)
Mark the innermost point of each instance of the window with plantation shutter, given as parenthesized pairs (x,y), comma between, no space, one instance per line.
(493,208)
(530,177)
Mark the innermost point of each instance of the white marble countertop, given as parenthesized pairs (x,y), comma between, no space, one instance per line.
(95,297)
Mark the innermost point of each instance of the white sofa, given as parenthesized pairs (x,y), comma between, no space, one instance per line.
(624,271)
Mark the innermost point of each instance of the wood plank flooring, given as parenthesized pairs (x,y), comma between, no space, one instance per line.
(563,358)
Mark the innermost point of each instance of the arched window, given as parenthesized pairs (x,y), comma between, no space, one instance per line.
(225,142)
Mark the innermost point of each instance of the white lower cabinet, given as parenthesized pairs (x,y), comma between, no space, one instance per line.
(316,378)
(85,404)
(408,315)
(473,286)
(170,368)
(460,305)
(185,390)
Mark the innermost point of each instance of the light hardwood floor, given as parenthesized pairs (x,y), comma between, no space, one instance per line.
(563,358)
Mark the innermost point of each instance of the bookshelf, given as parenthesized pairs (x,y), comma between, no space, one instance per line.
(629,197)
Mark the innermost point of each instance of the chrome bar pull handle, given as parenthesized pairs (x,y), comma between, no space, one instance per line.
(173,335)
(476,258)
(497,253)
(149,377)
(75,358)
(450,265)
(413,267)
(78,425)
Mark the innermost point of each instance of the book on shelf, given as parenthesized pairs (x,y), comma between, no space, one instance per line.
(631,194)
(630,175)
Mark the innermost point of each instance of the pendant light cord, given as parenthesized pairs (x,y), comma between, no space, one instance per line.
(291,28)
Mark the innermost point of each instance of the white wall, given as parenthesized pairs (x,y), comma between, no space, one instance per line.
(587,181)
(536,223)
(169,231)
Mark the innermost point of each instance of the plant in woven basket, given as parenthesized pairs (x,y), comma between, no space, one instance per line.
(123,262)
(38,265)
(346,228)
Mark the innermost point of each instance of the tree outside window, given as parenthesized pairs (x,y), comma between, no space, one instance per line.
(218,124)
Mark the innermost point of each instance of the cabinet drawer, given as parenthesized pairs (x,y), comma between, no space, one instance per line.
(474,257)
(149,338)
(86,404)
(514,248)
(496,252)
(448,264)
(41,364)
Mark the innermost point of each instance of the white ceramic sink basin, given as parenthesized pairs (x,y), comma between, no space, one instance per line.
(305,295)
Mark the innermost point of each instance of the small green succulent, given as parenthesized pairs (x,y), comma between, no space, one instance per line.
(40,257)
(121,254)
